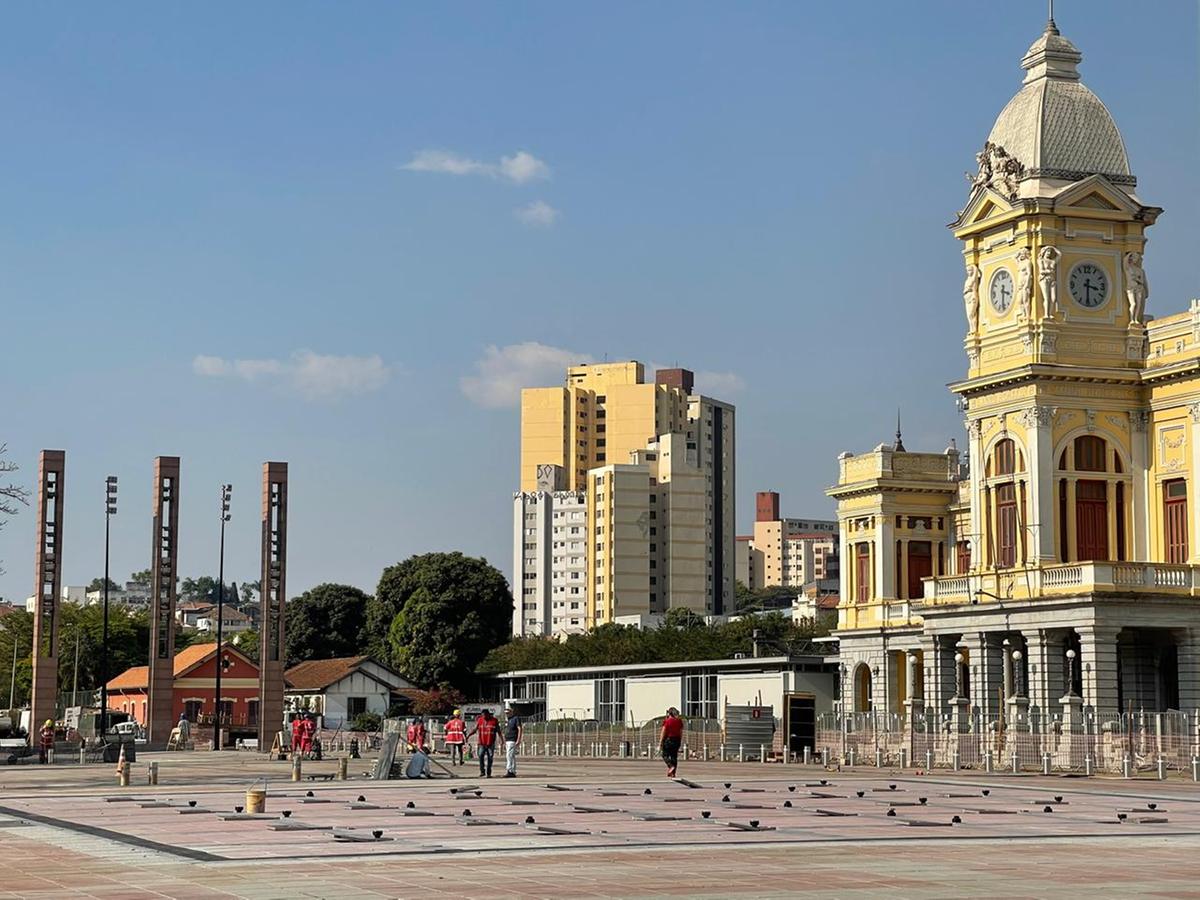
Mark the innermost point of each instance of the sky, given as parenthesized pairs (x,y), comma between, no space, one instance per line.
(345,235)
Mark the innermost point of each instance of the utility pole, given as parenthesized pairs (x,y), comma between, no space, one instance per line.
(226,490)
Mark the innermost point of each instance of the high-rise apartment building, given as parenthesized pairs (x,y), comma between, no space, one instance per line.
(786,552)
(549,545)
(656,462)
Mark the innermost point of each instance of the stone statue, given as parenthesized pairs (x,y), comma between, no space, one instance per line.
(1024,289)
(997,170)
(971,296)
(1137,288)
(1048,258)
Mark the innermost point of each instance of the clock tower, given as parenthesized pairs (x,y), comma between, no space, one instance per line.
(1053,236)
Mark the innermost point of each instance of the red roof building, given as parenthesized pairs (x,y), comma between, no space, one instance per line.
(195,682)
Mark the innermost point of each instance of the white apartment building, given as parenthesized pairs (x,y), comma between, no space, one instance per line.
(549,559)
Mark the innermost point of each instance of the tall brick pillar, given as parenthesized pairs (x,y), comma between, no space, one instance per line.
(271,600)
(47,588)
(164,561)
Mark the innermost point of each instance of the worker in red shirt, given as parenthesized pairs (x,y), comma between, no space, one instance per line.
(670,739)
(456,737)
(297,740)
(46,741)
(487,727)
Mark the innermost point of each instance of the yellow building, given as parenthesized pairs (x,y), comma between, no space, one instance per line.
(656,461)
(1063,555)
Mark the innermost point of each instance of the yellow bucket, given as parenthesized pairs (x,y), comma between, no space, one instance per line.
(256,800)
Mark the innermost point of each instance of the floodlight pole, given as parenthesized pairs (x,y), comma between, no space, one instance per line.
(226,490)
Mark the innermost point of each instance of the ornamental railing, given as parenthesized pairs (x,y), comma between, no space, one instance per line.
(1061,579)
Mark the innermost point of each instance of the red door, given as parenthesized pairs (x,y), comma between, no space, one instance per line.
(1175,520)
(1091,520)
(920,565)
(863,573)
(1006,526)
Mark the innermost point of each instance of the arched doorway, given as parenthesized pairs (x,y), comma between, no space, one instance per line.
(862,688)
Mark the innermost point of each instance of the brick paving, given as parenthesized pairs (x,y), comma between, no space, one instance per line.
(1005,845)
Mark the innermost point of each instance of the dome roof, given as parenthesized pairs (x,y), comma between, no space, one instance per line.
(1055,127)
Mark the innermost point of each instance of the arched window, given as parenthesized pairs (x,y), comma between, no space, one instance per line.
(862,688)
(1007,503)
(1092,501)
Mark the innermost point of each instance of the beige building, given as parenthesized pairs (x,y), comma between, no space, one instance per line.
(786,552)
(656,464)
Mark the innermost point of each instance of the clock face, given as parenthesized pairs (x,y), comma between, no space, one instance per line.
(1000,291)
(1089,285)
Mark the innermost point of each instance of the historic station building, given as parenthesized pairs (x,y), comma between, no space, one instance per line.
(1051,569)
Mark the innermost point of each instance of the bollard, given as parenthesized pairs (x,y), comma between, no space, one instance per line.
(722,753)
(123,775)
(852,755)
(807,755)
(1162,768)
(296,774)
(762,753)
(1016,764)
(956,759)
(343,765)
(988,763)
(904,757)
(1126,767)
(1088,765)
(928,761)
(1196,768)
(1045,763)
(741,753)
(82,753)
(878,758)
(152,773)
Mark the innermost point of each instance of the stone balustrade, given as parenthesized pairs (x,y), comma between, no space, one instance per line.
(1063,579)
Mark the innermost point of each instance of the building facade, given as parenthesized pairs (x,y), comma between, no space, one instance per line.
(786,552)
(1053,571)
(652,465)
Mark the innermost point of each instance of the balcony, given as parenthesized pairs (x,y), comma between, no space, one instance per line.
(1063,580)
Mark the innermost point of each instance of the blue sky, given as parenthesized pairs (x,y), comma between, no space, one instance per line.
(238,232)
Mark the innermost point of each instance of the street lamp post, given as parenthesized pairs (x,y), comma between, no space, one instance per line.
(226,490)
(110,510)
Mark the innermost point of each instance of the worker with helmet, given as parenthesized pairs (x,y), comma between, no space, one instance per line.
(456,738)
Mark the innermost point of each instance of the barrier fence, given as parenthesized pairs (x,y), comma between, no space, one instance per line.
(1167,741)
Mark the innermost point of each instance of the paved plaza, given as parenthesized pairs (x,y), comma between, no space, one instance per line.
(591,829)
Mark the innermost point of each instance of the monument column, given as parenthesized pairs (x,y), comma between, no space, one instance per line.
(164,563)
(271,599)
(47,589)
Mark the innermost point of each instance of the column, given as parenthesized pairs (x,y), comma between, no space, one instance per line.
(1110,498)
(1072,546)
(902,587)
(1188,648)
(885,576)
(975,457)
(1042,496)
(273,594)
(985,672)
(1193,501)
(1045,669)
(1098,658)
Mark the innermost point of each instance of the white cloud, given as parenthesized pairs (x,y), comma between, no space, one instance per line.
(718,385)
(520,168)
(538,214)
(503,371)
(314,375)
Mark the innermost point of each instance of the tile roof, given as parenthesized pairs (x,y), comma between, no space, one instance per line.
(318,674)
(138,677)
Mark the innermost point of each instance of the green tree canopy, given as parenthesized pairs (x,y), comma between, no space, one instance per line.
(142,578)
(326,622)
(203,588)
(680,638)
(97,584)
(436,616)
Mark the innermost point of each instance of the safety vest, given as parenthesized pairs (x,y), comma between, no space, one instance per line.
(455,731)
(487,730)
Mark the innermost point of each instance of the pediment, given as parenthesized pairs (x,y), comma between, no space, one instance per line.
(1095,192)
(984,204)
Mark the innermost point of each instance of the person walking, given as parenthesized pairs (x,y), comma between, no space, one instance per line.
(456,730)
(670,739)
(512,737)
(46,741)
(184,728)
(486,727)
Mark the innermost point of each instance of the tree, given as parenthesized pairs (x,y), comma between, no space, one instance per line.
(437,702)
(435,617)
(326,622)
(202,588)
(97,584)
(247,642)
(10,494)
(141,579)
